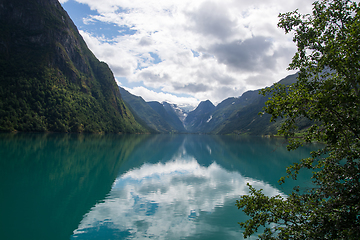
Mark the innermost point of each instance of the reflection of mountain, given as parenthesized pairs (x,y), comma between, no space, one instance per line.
(185,186)
(255,157)
(166,201)
(48,182)
(264,159)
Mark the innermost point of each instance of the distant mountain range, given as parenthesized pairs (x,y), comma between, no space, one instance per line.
(231,116)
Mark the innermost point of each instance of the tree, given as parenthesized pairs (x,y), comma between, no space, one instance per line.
(327,93)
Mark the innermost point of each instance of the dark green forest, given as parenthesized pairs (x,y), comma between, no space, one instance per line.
(50,80)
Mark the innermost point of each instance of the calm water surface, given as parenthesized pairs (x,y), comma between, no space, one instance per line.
(64,186)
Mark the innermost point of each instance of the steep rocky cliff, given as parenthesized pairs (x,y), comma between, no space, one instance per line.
(49,79)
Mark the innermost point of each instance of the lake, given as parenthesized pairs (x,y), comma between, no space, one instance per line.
(78,186)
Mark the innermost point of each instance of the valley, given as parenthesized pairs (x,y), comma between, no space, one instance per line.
(232,116)
(50,81)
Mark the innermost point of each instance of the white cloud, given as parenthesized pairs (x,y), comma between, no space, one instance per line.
(167,198)
(149,95)
(205,49)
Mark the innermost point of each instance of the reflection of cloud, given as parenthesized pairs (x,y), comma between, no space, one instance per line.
(165,200)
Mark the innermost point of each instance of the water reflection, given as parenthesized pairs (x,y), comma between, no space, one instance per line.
(49,181)
(190,193)
(165,201)
(62,186)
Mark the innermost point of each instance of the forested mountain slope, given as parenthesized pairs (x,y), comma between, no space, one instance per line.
(168,116)
(145,112)
(49,79)
(245,119)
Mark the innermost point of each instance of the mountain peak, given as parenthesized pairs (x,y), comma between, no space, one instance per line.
(206,106)
(206,102)
(197,118)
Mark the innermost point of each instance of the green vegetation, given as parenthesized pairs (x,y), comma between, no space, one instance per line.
(40,104)
(50,80)
(243,116)
(327,93)
(143,112)
(197,120)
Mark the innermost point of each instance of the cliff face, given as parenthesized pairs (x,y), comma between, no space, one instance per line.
(49,79)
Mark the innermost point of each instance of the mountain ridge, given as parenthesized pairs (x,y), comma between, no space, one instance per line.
(234,115)
(159,118)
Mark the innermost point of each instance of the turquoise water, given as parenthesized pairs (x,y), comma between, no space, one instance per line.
(69,186)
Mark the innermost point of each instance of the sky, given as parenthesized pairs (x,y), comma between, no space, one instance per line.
(187,51)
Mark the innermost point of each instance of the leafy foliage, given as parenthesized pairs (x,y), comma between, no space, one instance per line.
(327,93)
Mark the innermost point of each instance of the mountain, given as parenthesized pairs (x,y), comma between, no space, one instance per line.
(227,107)
(159,117)
(236,115)
(146,113)
(196,120)
(181,112)
(175,116)
(166,111)
(49,79)
(245,119)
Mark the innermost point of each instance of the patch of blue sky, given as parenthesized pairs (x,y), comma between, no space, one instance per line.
(78,12)
(195,53)
(141,66)
(156,58)
(109,30)
(124,82)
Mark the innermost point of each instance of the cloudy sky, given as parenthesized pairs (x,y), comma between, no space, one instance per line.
(188,51)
